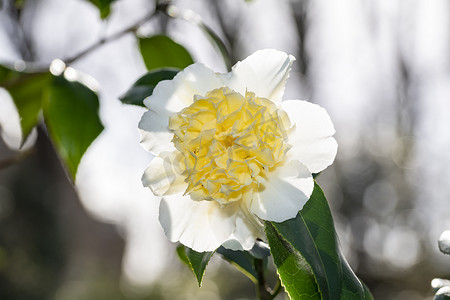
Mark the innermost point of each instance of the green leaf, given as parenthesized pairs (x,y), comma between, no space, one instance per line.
(295,273)
(104,7)
(145,85)
(19,4)
(197,261)
(71,115)
(26,91)
(242,260)
(351,285)
(182,255)
(160,51)
(312,236)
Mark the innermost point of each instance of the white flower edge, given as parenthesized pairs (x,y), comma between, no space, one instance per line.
(284,193)
(205,225)
(312,138)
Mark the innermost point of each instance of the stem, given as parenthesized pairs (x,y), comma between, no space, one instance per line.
(262,290)
(194,18)
(115,36)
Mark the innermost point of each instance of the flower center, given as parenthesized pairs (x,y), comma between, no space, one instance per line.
(228,143)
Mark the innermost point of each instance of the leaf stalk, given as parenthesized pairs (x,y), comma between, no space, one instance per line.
(262,289)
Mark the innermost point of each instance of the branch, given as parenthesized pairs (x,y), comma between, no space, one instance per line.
(15,159)
(115,36)
(194,18)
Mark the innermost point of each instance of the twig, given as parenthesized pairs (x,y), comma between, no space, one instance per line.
(193,18)
(115,36)
(15,158)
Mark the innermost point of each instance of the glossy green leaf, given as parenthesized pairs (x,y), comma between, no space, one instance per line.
(351,285)
(160,51)
(242,260)
(26,91)
(312,235)
(71,115)
(145,85)
(295,273)
(104,6)
(197,261)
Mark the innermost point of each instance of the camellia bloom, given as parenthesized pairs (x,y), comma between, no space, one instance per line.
(230,153)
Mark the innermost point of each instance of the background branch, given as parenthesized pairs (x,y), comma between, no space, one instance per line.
(115,36)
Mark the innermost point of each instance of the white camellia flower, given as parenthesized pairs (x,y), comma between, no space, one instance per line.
(230,153)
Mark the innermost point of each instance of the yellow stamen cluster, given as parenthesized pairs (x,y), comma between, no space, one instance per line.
(228,143)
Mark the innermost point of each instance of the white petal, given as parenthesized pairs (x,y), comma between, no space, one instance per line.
(199,225)
(264,73)
(171,96)
(312,141)
(244,236)
(163,177)
(284,193)
(155,134)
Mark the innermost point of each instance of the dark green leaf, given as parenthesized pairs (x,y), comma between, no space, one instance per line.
(71,115)
(160,51)
(104,6)
(242,260)
(197,261)
(144,86)
(8,75)
(26,91)
(295,273)
(351,286)
(313,236)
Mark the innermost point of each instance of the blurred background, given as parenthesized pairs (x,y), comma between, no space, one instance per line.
(381,69)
